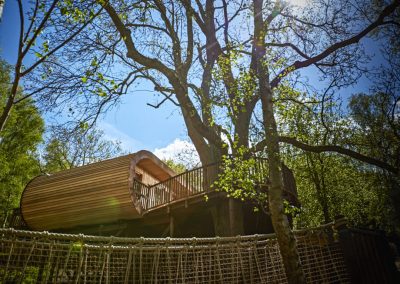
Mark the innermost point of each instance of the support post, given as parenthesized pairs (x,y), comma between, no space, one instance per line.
(171,225)
(235,217)
(227,216)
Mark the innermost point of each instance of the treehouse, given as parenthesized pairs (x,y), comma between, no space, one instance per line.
(98,193)
(139,195)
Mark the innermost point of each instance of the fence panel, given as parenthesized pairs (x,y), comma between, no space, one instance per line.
(368,256)
(41,257)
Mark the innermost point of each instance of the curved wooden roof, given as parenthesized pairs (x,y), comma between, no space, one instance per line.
(98,193)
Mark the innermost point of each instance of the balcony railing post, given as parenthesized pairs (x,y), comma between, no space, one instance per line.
(147,197)
(169,191)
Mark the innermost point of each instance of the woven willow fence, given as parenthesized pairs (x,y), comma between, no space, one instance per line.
(41,257)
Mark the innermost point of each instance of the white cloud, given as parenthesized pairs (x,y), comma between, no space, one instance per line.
(180,151)
(300,3)
(128,144)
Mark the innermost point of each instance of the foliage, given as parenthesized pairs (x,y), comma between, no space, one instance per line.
(377,115)
(244,178)
(18,142)
(67,148)
(330,185)
(376,131)
(176,167)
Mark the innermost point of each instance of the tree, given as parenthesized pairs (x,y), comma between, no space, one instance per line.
(378,115)
(182,61)
(43,34)
(18,141)
(329,184)
(68,149)
(377,118)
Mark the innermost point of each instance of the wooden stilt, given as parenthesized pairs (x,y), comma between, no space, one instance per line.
(171,225)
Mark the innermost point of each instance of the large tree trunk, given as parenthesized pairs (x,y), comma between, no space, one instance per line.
(286,240)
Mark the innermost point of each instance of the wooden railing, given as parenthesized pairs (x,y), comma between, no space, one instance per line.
(192,183)
(140,192)
(182,186)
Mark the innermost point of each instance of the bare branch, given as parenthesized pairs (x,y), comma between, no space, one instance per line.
(332,148)
(133,25)
(133,53)
(32,20)
(292,46)
(39,28)
(333,48)
(166,97)
(66,41)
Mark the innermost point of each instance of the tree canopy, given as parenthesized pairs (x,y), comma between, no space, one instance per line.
(18,144)
(68,148)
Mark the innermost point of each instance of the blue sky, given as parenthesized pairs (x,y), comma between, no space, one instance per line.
(137,125)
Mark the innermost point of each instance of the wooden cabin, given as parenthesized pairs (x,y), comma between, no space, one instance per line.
(139,195)
(99,193)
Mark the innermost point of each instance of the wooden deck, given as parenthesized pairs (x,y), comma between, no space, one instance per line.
(192,186)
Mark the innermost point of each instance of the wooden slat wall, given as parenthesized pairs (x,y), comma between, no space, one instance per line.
(93,194)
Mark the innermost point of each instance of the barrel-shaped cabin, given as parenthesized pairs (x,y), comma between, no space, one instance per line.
(97,193)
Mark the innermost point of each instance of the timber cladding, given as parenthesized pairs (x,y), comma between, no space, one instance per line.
(92,194)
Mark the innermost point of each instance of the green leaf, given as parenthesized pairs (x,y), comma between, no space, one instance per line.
(100,92)
(83,125)
(64,11)
(46,46)
(94,62)
(100,76)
